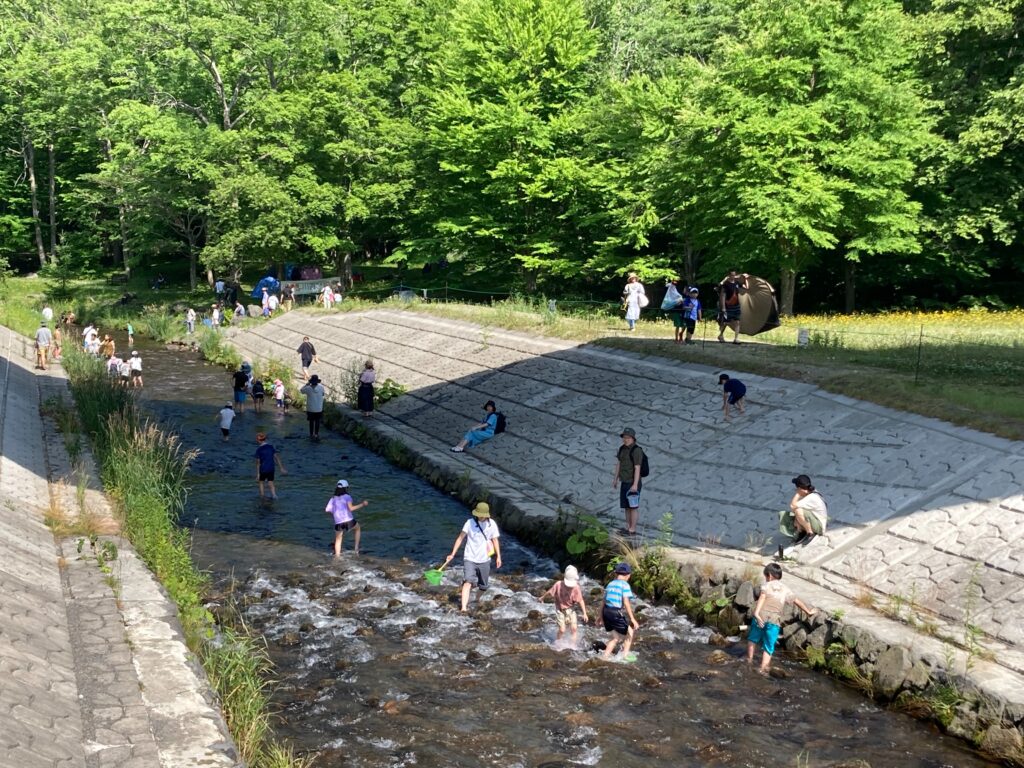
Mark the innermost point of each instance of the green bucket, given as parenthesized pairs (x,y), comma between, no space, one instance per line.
(433,576)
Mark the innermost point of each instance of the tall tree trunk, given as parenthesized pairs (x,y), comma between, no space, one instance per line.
(193,277)
(850,283)
(344,262)
(122,220)
(689,263)
(30,167)
(53,202)
(788,288)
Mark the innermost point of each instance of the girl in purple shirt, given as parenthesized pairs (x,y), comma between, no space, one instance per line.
(341,508)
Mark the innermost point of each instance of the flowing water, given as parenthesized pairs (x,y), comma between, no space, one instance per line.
(378,668)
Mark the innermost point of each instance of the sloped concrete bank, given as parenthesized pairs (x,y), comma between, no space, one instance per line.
(890,662)
(563,400)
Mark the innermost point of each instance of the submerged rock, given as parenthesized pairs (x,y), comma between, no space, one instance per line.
(289,639)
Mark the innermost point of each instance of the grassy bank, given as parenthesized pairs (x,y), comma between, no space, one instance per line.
(143,469)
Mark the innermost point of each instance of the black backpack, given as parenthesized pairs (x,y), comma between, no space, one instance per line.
(500,424)
(645,467)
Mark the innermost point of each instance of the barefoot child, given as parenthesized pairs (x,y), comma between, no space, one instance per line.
(615,609)
(764,630)
(341,507)
(733,392)
(567,596)
(266,458)
(279,393)
(225,416)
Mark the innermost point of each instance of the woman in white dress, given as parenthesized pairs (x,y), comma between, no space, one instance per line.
(631,297)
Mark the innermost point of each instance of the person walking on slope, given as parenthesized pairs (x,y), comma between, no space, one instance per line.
(307,355)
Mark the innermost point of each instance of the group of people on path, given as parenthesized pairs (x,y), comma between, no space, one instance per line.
(684,307)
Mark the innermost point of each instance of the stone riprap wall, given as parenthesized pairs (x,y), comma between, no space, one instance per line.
(921,512)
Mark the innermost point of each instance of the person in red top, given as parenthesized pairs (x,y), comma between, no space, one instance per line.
(567,596)
(729,291)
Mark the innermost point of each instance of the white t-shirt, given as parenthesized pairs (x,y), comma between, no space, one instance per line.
(478,533)
(227,415)
(47,314)
(814,503)
(135,363)
(272,302)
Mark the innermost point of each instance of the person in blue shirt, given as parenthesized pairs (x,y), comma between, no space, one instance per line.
(615,609)
(691,314)
(480,432)
(733,392)
(266,459)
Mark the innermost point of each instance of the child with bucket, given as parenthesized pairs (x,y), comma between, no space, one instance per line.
(567,596)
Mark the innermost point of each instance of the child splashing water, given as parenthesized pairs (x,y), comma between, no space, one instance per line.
(567,596)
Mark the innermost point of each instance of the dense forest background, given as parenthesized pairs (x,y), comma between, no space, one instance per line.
(855,152)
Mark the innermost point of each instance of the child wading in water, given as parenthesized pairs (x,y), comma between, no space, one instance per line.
(225,416)
(342,508)
(567,596)
(764,630)
(615,609)
(266,458)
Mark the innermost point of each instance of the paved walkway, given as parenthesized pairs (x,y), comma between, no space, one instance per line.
(921,510)
(87,678)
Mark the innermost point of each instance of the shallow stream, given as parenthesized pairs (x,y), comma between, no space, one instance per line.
(379,669)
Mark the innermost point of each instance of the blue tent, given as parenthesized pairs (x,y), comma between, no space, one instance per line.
(270,283)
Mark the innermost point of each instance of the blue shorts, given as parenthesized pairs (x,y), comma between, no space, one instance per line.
(239,395)
(765,636)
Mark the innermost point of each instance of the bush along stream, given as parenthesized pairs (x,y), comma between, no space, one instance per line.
(144,469)
(377,668)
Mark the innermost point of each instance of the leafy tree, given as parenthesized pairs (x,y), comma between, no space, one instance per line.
(802,136)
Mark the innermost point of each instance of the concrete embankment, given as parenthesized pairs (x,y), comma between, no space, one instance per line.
(926,519)
(94,666)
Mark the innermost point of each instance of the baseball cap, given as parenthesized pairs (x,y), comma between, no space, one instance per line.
(628,432)
(802,481)
(342,484)
(623,568)
(571,577)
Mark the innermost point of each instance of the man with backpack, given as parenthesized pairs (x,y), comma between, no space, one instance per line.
(630,465)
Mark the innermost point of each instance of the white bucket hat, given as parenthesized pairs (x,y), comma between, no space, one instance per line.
(571,577)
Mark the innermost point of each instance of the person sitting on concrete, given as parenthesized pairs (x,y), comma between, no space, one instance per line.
(480,432)
(807,516)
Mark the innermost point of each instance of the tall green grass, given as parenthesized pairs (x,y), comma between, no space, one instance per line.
(144,469)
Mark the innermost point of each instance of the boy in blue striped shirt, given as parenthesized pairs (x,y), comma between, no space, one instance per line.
(615,609)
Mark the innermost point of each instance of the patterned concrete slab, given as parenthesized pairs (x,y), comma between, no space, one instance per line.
(82,684)
(917,507)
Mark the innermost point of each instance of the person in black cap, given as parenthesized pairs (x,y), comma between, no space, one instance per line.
(626,477)
(810,512)
(315,393)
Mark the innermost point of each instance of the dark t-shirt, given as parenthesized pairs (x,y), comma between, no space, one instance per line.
(265,453)
(257,389)
(629,459)
(241,381)
(307,351)
(735,387)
